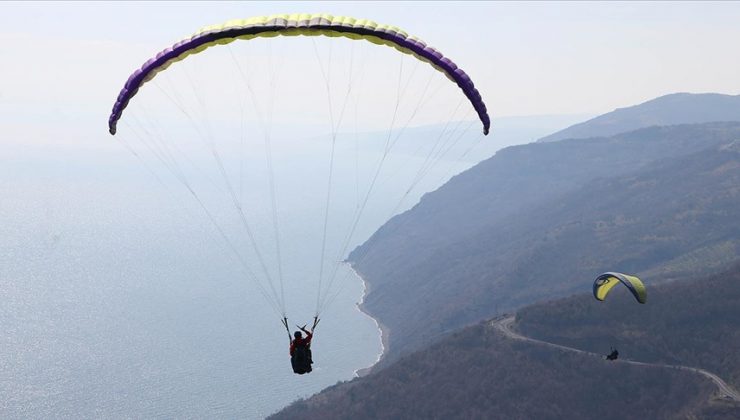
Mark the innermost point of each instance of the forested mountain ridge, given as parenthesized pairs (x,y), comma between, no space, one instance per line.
(478,373)
(676,108)
(534,221)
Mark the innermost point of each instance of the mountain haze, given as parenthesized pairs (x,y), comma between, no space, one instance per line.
(677,108)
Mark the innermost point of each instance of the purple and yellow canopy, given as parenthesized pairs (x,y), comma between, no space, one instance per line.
(295,25)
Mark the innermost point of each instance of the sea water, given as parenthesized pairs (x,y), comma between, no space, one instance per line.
(120,301)
(120,298)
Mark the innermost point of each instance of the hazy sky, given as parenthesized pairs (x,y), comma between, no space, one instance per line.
(62,62)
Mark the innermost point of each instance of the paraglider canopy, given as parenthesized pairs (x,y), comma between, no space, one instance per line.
(606,281)
(295,25)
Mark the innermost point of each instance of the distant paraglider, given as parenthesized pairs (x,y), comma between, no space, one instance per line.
(606,281)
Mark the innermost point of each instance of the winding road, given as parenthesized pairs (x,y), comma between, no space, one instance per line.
(504,325)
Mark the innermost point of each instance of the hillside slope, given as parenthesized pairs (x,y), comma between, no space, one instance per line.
(536,220)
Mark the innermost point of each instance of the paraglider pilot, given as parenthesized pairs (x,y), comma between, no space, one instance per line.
(300,349)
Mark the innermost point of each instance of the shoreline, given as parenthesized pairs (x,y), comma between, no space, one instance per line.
(382,329)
